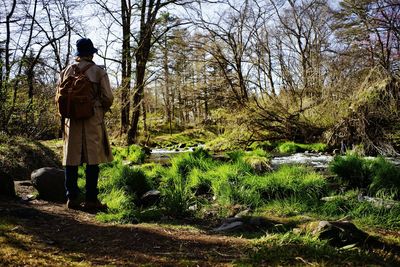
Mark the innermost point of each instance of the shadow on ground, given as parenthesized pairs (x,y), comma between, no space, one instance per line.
(102,244)
(79,238)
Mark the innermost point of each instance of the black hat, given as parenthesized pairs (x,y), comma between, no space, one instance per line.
(85,47)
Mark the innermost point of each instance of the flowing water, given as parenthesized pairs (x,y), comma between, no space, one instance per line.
(317,160)
(162,156)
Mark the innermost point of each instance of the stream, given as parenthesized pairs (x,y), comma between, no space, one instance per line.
(162,155)
(319,161)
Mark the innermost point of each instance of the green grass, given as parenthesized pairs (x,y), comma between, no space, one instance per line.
(121,187)
(188,138)
(194,178)
(177,183)
(292,147)
(352,170)
(385,178)
(345,205)
(292,249)
(364,213)
(133,153)
(289,181)
(236,182)
(377,176)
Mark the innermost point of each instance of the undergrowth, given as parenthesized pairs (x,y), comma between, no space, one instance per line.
(378,176)
(195,184)
(293,249)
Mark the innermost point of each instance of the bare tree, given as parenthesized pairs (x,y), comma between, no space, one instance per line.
(372,25)
(229,42)
(146,39)
(37,27)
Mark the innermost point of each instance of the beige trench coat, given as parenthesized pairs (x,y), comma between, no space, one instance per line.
(86,141)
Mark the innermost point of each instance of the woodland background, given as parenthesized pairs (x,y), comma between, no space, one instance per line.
(247,71)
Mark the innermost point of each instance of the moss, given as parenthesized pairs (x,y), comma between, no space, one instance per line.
(188,138)
(292,147)
(20,156)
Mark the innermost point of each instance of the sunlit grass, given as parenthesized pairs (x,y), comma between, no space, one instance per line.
(196,180)
(133,153)
(377,176)
(292,147)
(294,249)
(20,248)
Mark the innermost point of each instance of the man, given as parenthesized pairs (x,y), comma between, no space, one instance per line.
(86,140)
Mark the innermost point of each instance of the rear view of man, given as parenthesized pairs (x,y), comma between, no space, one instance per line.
(86,140)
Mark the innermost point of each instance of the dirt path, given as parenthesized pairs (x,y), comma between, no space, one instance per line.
(53,235)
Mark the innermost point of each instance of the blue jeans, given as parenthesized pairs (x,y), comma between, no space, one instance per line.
(71,182)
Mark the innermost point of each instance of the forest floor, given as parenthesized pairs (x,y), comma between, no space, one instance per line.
(41,233)
(35,232)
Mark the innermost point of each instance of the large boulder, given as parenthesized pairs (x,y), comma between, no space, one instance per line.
(50,183)
(6,186)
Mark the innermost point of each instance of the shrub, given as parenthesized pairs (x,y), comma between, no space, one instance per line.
(236,155)
(187,138)
(264,145)
(317,147)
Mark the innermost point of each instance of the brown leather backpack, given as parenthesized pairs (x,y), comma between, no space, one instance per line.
(75,95)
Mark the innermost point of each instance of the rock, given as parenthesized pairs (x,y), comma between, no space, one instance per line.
(340,233)
(261,167)
(250,224)
(243,213)
(379,202)
(334,198)
(7,186)
(28,198)
(229,227)
(49,182)
(150,198)
(193,207)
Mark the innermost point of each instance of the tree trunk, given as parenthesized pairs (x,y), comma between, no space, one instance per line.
(126,66)
(137,97)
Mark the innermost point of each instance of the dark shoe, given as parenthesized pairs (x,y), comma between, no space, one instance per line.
(94,206)
(73,204)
